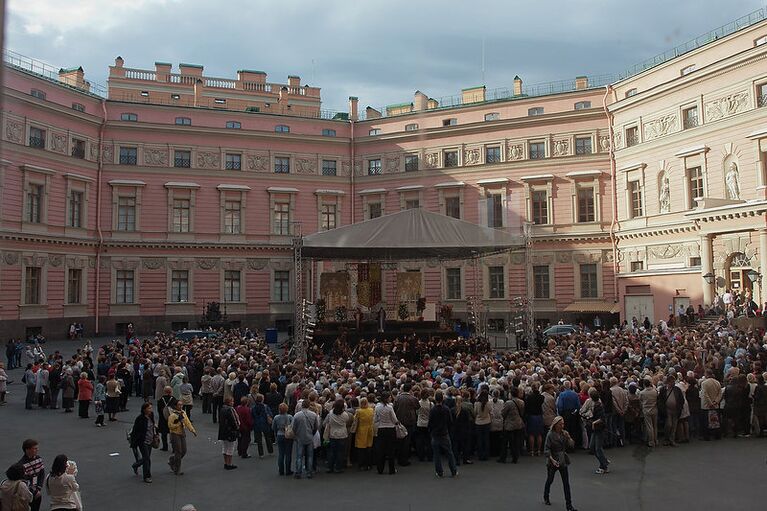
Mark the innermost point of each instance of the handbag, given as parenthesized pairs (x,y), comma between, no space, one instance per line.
(400,431)
(713,419)
(316,440)
(355,424)
(156,441)
(289,434)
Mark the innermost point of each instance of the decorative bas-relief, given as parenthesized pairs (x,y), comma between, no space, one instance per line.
(432,160)
(561,147)
(516,152)
(471,156)
(345,169)
(59,143)
(604,143)
(55,260)
(258,162)
(207,263)
(13,131)
(153,263)
(660,127)
(11,258)
(156,157)
(257,264)
(94,151)
(392,165)
(666,251)
(726,106)
(306,166)
(109,154)
(208,160)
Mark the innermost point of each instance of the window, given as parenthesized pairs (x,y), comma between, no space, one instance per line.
(374,131)
(281,128)
(761,94)
(451,159)
(329,167)
(589,281)
(449,122)
(74,285)
(495,210)
(181,213)
(495,277)
(374,167)
(492,154)
(687,70)
(586,212)
(128,117)
(281,286)
(582,145)
(453,280)
(282,165)
(538,110)
(231,286)
(695,261)
(493,116)
(124,286)
(582,105)
(78,106)
(631,92)
(762,40)
(232,215)
(412,204)
(635,190)
(453,207)
(183,121)
(75,209)
(35,203)
(35,93)
(695,177)
(411,127)
(233,125)
(637,266)
(128,156)
(328,132)
(37,138)
(179,286)
(175,97)
(537,150)
(78,148)
(328,217)
(219,101)
(632,136)
(255,109)
(32,285)
(182,159)
(233,161)
(281,218)
(374,210)
(541,282)
(540,207)
(126,214)
(145,93)
(411,162)
(690,117)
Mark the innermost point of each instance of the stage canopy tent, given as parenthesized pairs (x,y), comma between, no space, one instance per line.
(409,235)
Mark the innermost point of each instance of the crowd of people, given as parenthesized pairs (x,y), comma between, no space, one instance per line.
(377,408)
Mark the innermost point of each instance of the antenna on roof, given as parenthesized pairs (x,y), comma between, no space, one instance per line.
(483,60)
(313,80)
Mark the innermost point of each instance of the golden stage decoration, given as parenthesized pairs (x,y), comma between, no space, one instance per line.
(408,286)
(334,289)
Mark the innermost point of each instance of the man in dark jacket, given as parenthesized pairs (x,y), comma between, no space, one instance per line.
(406,410)
(670,404)
(228,432)
(440,421)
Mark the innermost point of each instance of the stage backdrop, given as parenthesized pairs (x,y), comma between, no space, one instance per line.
(408,286)
(368,284)
(334,289)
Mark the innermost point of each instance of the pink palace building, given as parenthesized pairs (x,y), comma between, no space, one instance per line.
(170,189)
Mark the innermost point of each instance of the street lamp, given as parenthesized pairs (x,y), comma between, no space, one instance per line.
(709,278)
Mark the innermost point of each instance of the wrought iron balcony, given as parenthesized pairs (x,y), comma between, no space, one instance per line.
(37,142)
(126,159)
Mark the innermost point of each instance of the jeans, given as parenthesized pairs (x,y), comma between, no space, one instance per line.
(422,443)
(284,454)
(552,471)
(30,398)
(178,445)
(386,442)
(304,459)
(597,438)
(619,428)
(512,440)
(336,454)
(206,399)
(143,454)
(483,441)
(441,445)
(243,443)
(216,406)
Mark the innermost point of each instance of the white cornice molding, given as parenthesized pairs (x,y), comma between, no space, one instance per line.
(239,188)
(180,184)
(40,170)
(584,173)
(632,166)
(493,181)
(537,177)
(760,133)
(702,148)
(370,191)
(126,182)
(78,177)
(408,188)
(450,184)
(321,191)
(281,189)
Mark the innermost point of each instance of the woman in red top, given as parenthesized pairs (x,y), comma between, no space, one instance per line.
(84,394)
(246,426)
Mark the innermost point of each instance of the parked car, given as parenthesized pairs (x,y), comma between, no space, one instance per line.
(188,335)
(560,330)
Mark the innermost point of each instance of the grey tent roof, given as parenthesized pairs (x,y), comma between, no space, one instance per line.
(409,234)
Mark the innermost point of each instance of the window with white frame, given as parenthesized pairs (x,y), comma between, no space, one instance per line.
(694,185)
(281,217)
(411,162)
(37,93)
(128,156)
(232,217)
(182,213)
(453,283)
(282,165)
(496,282)
(126,213)
(282,128)
(127,116)
(281,286)
(539,203)
(179,286)
(541,282)
(583,145)
(37,137)
(537,110)
(374,131)
(328,216)
(690,117)
(78,148)
(35,203)
(582,105)
(453,206)
(233,161)
(761,94)
(450,158)
(74,286)
(492,116)
(412,203)
(586,204)
(327,132)
(182,159)
(124,286)
(233,125)
(411,127)
(494,210)
(374,209)
(33,282)
(374,167)
(589,283)
(183,121)
(537,150)
(450,122)
(492,154)
(632,136)
(329,167)
(635,196)
(232,285)
(76,205)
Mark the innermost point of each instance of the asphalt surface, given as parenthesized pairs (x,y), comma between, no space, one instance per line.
(728,474)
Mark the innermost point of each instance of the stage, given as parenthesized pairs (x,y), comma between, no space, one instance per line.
(329,331)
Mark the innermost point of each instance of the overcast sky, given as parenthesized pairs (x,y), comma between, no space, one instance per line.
(379,50)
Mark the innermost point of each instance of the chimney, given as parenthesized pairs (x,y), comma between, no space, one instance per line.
(119,61)
(198,86)
(581,82)
(294,82)
(420,102)
(117,71)
(190,69)
(473,95)
(517,86)
(162,71)
(353,108)
(73,76)
(432,104)
(372,113)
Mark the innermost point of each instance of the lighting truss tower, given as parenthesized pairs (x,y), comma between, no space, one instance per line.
(299,346)
(529,284)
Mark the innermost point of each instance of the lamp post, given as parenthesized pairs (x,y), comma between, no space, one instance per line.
(709,278)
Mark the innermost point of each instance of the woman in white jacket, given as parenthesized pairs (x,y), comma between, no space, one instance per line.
(63,490)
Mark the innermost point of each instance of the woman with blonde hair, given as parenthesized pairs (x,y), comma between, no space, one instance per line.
(362,427)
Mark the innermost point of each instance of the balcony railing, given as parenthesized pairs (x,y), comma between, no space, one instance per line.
(233,165)
(78,152)
(37,142)
(761,100)
(690,122)
(632,139)
(128,159)
(183,163)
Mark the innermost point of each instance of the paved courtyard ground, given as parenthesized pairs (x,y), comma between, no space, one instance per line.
(729,474)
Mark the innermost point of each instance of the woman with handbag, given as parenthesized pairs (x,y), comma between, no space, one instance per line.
(557,442)
(283,432)
(362,427)
(336,433)
(598,424)
(385,421)
(143,437)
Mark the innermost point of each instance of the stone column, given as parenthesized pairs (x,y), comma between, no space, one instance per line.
(707,266)
(762,264)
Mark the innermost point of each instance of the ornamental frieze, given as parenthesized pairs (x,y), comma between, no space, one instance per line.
(59,143)
(281,264)
(35,260)
(564,257)
(156,157)
(207,263)
(665,251)
(517,258)
(153,263)
(660,127)
(258,162)
(77,262)
(108,156)
(471,156)
(13,131)
(208,160)
(257,264)
(561,147)
(726,106)
(516,152)
(604,143)
(55,260)
(432,160)
(306,166)
(94,151)
(11,258)
(587,258)
(392,164)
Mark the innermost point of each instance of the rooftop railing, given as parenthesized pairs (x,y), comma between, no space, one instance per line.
(47,71)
